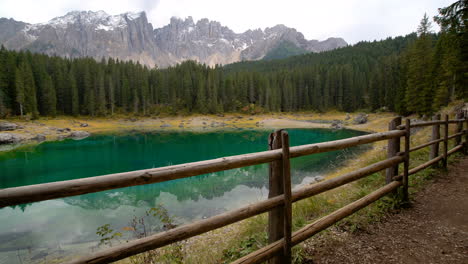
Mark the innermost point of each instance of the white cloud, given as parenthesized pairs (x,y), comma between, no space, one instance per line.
(353,20)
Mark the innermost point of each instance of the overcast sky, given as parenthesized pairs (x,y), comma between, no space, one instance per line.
(353,20)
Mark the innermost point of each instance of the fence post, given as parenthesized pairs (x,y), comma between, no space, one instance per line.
(446,129)
(458,139)
(435,136)
(466,133)
(406,161)
(276,216)
(287,198)
(393,147)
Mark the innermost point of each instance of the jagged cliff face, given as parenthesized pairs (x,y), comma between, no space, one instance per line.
(94,34)
(130,36)
(211,43)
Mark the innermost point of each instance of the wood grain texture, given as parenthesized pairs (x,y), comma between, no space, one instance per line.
(446,135)
(393,147)
(287,227)
(276,215)
(434,152)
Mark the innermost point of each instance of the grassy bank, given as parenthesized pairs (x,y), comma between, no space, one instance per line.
(52,128)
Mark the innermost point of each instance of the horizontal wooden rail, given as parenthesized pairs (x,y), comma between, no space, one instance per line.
(430,123)
(306,232)
(203,226)
(457,134)
(425,145)
(428,163)
(455,149)
(433,142)
(304,150)
(53,190)
(323,186)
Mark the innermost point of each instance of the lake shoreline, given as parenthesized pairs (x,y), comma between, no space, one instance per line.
(37,131)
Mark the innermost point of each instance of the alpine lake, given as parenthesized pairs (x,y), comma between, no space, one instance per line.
(35,232)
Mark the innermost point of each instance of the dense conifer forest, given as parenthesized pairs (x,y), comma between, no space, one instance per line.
(417,73)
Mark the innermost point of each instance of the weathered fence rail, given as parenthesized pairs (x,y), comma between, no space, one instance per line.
(281,196)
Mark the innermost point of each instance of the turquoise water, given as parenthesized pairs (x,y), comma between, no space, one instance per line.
(39,228)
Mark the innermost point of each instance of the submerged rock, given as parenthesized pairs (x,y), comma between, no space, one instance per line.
(7,126)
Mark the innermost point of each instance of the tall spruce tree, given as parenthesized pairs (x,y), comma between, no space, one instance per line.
(19,90)
(30,102)
(73,91)
(453,22)
(419,83)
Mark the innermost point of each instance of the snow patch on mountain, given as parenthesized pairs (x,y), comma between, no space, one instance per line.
(100,20)
(133,15)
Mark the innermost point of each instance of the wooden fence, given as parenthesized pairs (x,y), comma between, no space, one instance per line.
(280,198)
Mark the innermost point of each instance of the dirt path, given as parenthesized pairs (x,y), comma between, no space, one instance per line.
(433,230)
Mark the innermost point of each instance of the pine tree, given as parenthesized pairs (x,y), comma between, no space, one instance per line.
(419,81)
(49,100)
(453,22)
(2,105)
(59,80)
(87,89)
(110,94)
(188,87)
(74,97)
(101,94)
(19,90)
(3,81)
(30,102)
(201,95)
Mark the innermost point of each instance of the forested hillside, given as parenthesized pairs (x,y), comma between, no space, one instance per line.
(417,73)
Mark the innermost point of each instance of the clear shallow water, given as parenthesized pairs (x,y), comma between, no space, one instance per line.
(46,226)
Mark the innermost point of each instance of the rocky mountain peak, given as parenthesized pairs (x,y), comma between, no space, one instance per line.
(98,19)
(130,36)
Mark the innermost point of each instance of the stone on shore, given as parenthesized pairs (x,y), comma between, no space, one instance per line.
(7,126)
(360,119)
(8,138)
(79,134)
